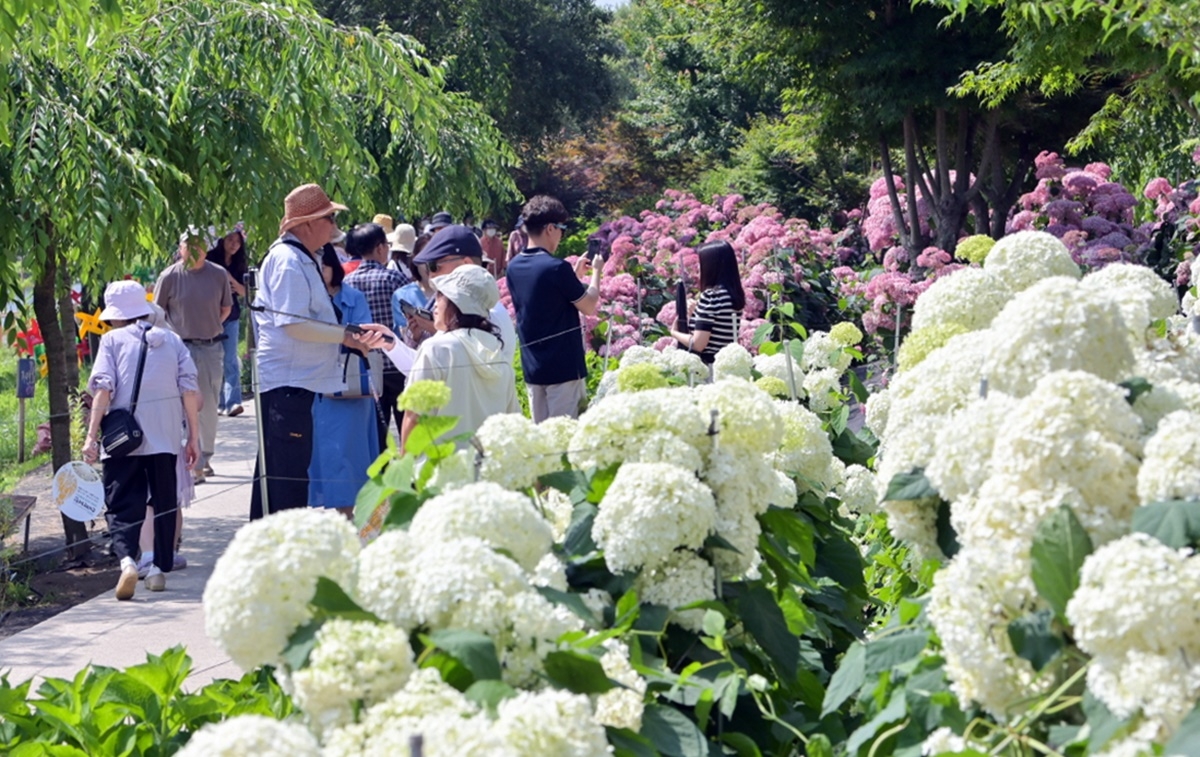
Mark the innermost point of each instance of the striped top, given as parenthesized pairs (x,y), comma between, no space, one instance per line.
(715,314)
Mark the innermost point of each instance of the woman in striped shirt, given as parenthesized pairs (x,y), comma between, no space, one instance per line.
(718,313)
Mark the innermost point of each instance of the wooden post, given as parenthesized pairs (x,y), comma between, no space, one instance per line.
(21,433)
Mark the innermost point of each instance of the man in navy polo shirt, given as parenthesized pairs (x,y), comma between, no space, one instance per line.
(548,296)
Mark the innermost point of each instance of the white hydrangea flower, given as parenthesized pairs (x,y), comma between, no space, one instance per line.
(550,722)
(821,351)
(615,429)
(1139,293)
(1165,398)
(682,579)
(252,734)
(1139,743)
(858,490)
(1190,306)
(504,519)
(741,529)
(1021,260)
(621,707)
(515,451)
(1173,357)
(259,591)
(823,388)
(943,740)
(1075,431)
(597,601)
(775,366)
(913,521)
(684,366)
(973,600)
(557,509)
(607,386)
(639,354)
(969,297)
(453,472)
(648,511)
(1055,325)
(558,431)
(732,361)
(353,663)
(550,572)
(877,407)
(962,460)
(1171,468)
(746,417)
(536,625)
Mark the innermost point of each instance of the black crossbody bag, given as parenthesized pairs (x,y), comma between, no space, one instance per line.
(120,433)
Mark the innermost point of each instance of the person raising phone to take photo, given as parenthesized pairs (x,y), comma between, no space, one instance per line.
(718,315)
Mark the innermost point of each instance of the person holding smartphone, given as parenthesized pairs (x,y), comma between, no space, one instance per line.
(412,304)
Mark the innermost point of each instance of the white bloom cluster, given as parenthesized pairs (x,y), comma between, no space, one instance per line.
(558,510)
(1055,325)
(858,490)
(732,361)
(1171,468)
(516,451)
(620,428)
(1021,260)
(969,298)
(963,446)
(823,388)
(546,722)
(804,451)
(877,408)
(683,578)
(1173,356)
(1141,295)
(252,734)
(648,511)
(504,519)
(678,366)
(776,366)
(453,472)
(1135,612)
(354,663)
(747,417)
(1165,398)
(621,707)
(821,351)
(259,591)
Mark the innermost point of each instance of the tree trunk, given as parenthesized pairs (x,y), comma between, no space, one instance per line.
(893,194)
(66,316)
(916,240)
(46,309)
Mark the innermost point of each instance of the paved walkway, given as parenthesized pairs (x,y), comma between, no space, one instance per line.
(118,634)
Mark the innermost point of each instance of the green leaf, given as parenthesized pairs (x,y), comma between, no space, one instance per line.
(1175,522)
(1060,545)
(911,485)
(333,602)
(566,481)
(742,745)
(764,620)
(793,529)
(1033,638)
(578,541)
(368,499)
(1187,739)
(716,541)
(1102,724)
(402,506)
(580,673)
(672,733)
(894,649)
(1135,387)
(896,708)
(398,475)
(489,694)
(852,449)
(571,601)
(857,387)
(849,677)
(626,743)
(300,644)
(474,650)
(947,537)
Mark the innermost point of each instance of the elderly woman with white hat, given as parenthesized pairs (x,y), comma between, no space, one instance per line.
(466,353)
(167,391)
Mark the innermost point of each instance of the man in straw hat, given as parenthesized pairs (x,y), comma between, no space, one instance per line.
(297,357)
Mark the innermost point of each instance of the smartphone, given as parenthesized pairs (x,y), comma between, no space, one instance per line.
(411,310)
(355,329)
(595,248)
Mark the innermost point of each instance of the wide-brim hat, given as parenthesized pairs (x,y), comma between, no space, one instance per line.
(403,238)
(440,220)
(125,301)
(450,242)
(472,289)
(384,220)
(305,203)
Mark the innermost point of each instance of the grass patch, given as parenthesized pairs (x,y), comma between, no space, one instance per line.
(37,411)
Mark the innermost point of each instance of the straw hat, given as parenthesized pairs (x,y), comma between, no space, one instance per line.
(306,203)
(383,220)
(125,301)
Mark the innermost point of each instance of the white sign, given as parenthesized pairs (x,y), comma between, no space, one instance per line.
(78,491)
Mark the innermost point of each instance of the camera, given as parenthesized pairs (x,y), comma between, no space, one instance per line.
(250,278)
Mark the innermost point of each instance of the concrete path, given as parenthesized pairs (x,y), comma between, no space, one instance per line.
(118,634)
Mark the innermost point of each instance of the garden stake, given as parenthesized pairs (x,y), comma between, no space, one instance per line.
(416,745)
(478,456)
(983,387)
(787,350)
(896,344)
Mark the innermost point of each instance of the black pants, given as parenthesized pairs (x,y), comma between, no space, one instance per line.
(126,483)
(393,385)
(287,450)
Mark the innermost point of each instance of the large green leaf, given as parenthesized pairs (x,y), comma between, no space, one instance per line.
(887,652)
(1187,739)
(911,485)
(1033,638)
(764,620)
(489,693)
(578,540)
(1102,724)
(896,708)
(332,601)
(1060,545)
(672,733)
(474,650)
(577,672)
(1175,522)
(849,677)
(626,743)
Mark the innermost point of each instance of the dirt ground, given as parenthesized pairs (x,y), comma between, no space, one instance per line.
(54,584)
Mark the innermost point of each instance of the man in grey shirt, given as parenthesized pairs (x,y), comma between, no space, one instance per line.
(195,296)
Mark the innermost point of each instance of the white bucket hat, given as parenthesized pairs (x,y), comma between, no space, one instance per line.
(472,289)
(403,238)
(125,301)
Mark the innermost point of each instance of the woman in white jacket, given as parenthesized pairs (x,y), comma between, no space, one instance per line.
(466,353)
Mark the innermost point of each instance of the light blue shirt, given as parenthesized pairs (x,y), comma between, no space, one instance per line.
(289,281)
